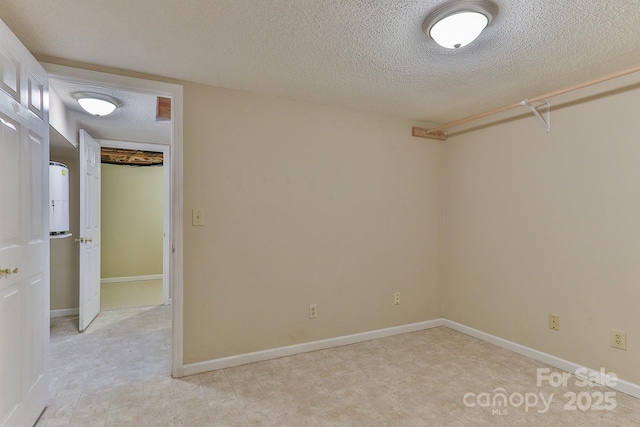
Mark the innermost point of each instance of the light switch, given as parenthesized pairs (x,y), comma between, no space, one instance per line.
(197,217)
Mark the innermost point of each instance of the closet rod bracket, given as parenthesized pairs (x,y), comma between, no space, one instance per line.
(534,109)
(438,134)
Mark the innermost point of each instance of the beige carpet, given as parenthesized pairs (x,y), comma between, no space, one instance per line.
(130,294)
(116,373)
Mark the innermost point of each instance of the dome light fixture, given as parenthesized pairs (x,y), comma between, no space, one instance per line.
(457,24)
(96,104)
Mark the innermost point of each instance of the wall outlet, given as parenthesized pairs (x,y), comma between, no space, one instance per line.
(197,217)
(618,339)
(396,298)
(554,322)
(313,311)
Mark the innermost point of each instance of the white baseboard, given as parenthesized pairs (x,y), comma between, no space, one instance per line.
(565,365)
(274,353)
(64,312)
(259,356)
(131,278)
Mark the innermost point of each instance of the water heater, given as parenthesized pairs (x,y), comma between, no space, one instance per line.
(58,198)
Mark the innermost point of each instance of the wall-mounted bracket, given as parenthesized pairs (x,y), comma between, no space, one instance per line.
(440,135)
(534,110)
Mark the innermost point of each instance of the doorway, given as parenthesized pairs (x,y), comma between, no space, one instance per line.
(171,150)
(135,227)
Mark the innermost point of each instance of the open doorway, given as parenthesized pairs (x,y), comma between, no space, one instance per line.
(135,227)
(73,80)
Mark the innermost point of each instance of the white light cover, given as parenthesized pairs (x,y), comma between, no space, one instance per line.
(459,29)
(97,107)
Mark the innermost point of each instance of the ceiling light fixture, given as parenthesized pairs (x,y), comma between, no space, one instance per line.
(459,23)
(96,104)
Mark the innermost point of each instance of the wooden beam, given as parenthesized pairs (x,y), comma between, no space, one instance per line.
(477,117)
(163,110)
(117,156)
(429,133)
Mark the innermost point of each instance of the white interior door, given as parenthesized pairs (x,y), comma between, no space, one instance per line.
(24,234)
(89,239)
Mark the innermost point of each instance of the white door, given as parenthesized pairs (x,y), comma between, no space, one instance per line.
(89,239)
(24,234)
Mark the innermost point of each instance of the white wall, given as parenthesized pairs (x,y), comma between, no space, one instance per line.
(540,224)
(61,119)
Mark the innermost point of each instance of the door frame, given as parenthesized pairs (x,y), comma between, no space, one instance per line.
(175,265)
(166,202)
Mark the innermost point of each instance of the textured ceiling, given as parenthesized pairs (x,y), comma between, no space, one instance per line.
(134,120)
(368,55)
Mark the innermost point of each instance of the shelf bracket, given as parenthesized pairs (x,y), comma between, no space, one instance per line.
(534,110)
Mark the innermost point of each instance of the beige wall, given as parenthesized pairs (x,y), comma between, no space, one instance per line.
(540,224)
(304,205)
(132,215)
(65,252)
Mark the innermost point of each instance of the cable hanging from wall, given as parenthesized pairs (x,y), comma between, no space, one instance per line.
(440,132)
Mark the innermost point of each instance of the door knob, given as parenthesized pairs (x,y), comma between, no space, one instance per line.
(7,271)
(88,239)
(84,240)
(79,240)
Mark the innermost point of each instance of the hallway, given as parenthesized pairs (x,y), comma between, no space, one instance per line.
(103,371)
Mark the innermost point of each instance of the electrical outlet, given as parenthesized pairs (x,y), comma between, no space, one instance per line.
(197,217)
(396,298)
(618,339)
(313,311)
(554,322)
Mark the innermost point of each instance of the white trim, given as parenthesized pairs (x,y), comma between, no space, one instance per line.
(64,312)
(274,353)
(131,278)
(166,227)
(175,268)
(177,368)
(565,365)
